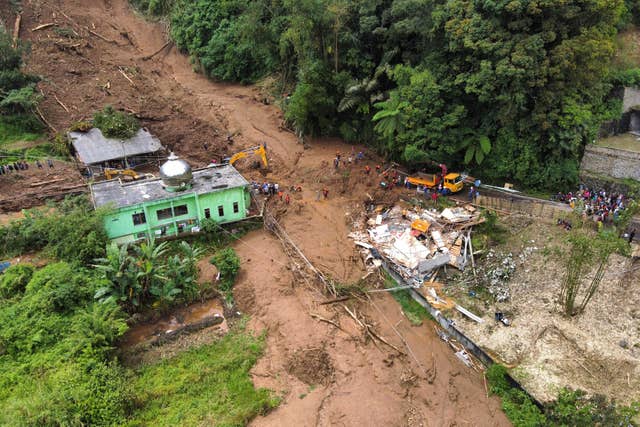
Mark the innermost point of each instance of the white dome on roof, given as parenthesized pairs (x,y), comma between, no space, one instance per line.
(175,173)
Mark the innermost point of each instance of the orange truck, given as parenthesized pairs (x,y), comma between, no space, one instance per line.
(452,181)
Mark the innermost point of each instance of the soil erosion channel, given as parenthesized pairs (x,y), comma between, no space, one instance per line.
(326,376)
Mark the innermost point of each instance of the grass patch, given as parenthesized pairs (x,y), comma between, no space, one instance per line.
(14,132)
(414,311)
(208,385)
(571,408)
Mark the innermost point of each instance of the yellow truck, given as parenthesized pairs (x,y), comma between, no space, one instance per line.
(452,181)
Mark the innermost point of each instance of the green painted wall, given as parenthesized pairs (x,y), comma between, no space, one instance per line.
(121,228)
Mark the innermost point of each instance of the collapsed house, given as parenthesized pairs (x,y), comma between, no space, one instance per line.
(415,243)
(95,152)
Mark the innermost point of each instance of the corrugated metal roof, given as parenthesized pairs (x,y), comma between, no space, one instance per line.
(206,180)
(92,147)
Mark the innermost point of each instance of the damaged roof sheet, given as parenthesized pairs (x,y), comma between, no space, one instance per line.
(93,147)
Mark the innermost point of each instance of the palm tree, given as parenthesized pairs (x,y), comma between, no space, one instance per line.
(363,93)
(389,118)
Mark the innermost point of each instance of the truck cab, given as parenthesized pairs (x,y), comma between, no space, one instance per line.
(453,182)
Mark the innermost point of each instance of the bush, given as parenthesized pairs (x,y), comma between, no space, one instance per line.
(116,124)
(14,280)
(70,231)
(228,265)
(59,287)
(54,367)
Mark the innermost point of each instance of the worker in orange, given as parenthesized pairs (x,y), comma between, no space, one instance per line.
(378,168)
(367,169)
(287,198)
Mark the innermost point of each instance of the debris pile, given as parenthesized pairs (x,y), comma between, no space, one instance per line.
(497,270)
(416,242)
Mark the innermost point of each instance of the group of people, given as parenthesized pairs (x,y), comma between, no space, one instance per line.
(602,206)
(351,158)
(21,165)
(274,189)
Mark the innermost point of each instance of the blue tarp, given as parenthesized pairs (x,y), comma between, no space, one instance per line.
(4,266)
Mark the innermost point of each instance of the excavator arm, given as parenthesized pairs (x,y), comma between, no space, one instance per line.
(237,156)
(259,150)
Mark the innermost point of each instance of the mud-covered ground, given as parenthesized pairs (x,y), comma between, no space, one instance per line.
(326,376)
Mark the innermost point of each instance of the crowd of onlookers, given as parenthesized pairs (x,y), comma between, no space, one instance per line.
(22,165)
(602,206)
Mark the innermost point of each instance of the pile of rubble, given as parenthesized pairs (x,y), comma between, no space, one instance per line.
(417,242)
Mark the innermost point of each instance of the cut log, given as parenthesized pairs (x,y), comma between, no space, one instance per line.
(16,30)
(332,301)
(100,36)
(148,57)
(61,104)
(41,183)
(44,26)
(49,125)
(126,77)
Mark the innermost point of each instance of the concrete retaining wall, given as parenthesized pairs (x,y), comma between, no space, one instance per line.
(611,162)
(544,210)
(449,328)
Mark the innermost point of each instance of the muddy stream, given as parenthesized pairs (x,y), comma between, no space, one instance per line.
(202,313)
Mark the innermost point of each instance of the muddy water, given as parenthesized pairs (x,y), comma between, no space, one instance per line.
(177,319)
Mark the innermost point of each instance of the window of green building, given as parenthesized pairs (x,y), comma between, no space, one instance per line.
(180,210)
(164,214)
(235,207)
(167,213)
(139,218)
(220,210)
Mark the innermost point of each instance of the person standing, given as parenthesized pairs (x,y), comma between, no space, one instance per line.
(50,163)
(632,235)
(325,193)
(317,195)
(434,198)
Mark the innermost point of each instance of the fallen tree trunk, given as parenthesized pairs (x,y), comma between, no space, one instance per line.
(16,29)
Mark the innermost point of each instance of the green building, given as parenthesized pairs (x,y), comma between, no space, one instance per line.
(173,204)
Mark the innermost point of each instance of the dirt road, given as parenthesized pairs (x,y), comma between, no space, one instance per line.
(326,376)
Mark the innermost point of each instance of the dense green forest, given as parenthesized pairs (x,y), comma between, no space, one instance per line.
(504,89)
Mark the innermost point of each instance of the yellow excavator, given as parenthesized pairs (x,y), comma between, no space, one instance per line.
(112,173)
(259,150)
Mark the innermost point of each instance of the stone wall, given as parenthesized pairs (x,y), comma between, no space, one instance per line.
(630,99)
(611,162)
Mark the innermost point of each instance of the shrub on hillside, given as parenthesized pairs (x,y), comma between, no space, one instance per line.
(14,280)
(115,124)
